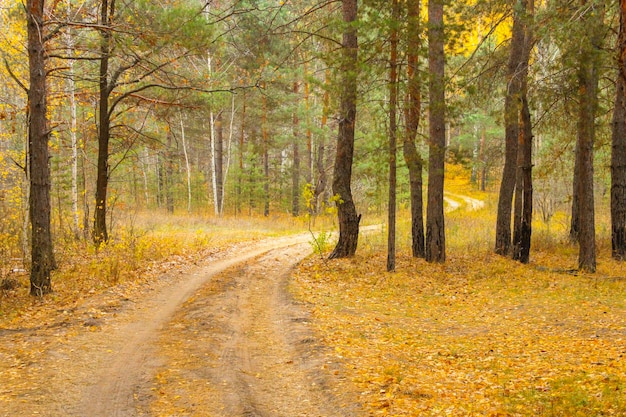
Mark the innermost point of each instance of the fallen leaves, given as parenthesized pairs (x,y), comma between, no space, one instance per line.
(490,338)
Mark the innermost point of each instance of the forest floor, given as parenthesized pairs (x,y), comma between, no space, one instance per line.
(260,328)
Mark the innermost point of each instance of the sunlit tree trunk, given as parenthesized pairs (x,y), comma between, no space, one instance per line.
(187,165)
(228,154)
(71,85)
(346,211)
(218,162)
(435,227)
(412,116)
(242,134)
(42,255)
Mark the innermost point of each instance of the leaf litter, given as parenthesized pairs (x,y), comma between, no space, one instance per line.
(485,338)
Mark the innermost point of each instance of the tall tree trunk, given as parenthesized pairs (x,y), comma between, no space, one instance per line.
(71,84)
(218,161)
(212,164)
(309,134)
(618,154)
(574,227)
(346,211)
(100,234)
(228,153)
(482,159)
(169,174)
(393,131)
(412,115)
(295,172)
(187,165)
(42,255)
(266,161)
(320,186)
(242,135)
(435,227)
(512,106)
(588,103)
(144,160)
(523,190)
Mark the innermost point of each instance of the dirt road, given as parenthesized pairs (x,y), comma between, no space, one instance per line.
(224,339)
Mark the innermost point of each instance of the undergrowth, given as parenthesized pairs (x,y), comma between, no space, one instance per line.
(141,248)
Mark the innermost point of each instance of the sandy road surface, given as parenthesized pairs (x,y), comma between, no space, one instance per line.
(242,347)
(254,363)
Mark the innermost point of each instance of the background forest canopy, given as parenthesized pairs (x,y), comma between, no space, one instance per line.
(231,106)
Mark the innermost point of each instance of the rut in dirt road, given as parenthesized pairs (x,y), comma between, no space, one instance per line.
(242,347)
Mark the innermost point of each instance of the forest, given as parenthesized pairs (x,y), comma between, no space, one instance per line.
(465,157)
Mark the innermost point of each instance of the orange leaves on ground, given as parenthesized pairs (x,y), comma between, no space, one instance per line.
(473,338)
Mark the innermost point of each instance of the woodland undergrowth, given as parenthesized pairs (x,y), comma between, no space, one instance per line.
(142,249)
(480,335)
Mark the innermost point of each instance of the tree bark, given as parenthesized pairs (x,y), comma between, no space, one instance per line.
(523,219)
(512,106)
(588,102)
(169,174)
(393,130)
(42,255)
(266,161)
(435,227)
(412,116)
(187,164)
(218,162)
(524,189)
(618,154)
(100,234)
(242,135)
(71,84)
(346,210)
(588,62)
(322,180)
(295,171)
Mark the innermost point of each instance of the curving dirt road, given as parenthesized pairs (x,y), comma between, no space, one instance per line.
(223,339)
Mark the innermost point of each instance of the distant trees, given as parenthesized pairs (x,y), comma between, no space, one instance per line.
(230,106)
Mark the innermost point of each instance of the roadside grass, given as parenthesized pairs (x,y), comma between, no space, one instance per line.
(480,335)
(142,247)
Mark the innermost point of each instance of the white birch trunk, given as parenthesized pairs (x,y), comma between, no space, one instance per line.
(213,161)
(228,147)
(73,128)
(145,159)
(187,166)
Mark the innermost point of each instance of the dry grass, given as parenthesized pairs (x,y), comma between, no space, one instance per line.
(142,247)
